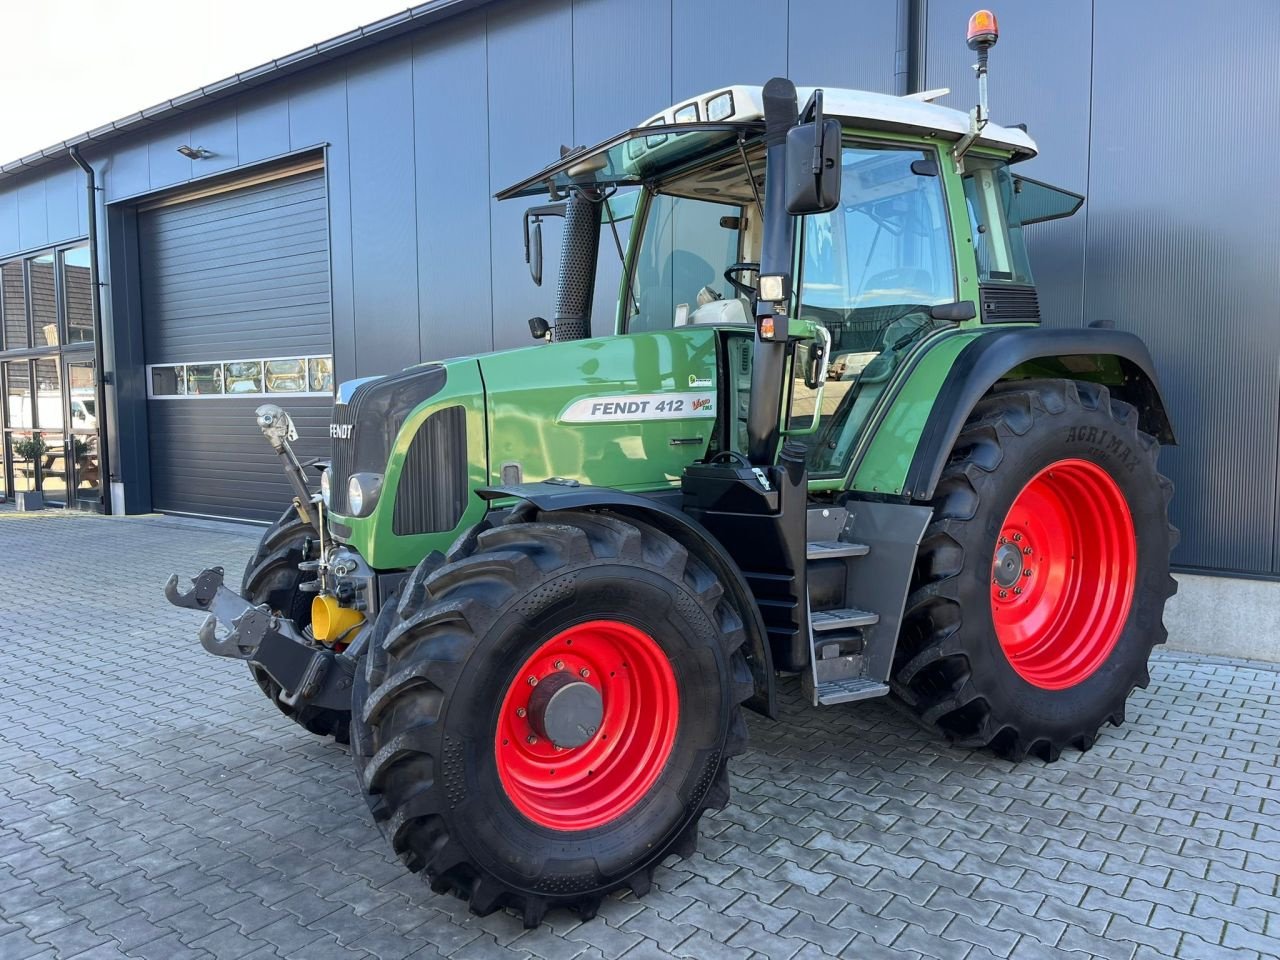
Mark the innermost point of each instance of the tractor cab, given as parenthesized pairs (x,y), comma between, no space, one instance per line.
(916,243)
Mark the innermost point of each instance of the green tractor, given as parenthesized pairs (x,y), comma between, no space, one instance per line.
(826,437)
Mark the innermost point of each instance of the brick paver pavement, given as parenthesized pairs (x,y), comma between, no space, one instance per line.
(153,804)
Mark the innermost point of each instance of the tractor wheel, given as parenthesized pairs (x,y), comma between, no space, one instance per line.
(272,577)
(553,712)
(1041,583)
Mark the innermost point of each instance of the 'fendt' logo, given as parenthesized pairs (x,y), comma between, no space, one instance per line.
(340,431)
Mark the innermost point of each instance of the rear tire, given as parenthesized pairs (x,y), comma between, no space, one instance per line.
(272,577)
(459,786)
(1040,585)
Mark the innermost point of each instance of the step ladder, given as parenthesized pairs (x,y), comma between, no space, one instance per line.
(840,637)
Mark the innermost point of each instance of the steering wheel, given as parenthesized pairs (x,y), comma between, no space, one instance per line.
(731,456)
(731,276)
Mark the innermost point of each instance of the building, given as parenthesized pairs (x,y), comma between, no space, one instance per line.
(329,215)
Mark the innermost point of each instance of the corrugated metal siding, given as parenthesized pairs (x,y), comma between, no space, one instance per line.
(1183,247)
(236,275)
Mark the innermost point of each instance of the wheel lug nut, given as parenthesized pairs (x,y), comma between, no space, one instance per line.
(533,681)
(1027,551)
(1003,594)
(1026,573)
(559,749)
(1017,590)
(521,711)
(1003,541)
(531,739)
(1017,536)
(584,673)
(559,664)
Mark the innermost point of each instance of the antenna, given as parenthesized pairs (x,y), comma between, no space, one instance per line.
(983,33)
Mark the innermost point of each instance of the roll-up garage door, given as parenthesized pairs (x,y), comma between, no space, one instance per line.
(235,301)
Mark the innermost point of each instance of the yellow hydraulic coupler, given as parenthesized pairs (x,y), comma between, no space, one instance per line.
(330,622)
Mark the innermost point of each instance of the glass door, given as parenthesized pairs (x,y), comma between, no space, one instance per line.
(21,441)
(86,473)
(51,429)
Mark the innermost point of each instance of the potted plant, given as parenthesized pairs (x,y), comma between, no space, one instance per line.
(30,449)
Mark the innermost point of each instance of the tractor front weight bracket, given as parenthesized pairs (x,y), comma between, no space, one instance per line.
(309,675)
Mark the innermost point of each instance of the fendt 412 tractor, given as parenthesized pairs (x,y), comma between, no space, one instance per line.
(826,436)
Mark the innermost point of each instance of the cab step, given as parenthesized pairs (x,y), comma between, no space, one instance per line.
(835,549)
(827,620)
(844,691)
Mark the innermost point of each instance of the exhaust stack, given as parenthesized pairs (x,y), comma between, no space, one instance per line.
(576,285)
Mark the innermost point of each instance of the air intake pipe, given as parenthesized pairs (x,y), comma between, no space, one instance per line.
(577,282)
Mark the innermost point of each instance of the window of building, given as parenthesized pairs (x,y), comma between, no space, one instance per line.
(304,376)
(14,305)
(42,295)
(77,295)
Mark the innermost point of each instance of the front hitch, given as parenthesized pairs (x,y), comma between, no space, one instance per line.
(307,674)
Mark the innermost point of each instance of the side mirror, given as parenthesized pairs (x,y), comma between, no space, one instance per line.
(533,255)
(533,237)
(813,169)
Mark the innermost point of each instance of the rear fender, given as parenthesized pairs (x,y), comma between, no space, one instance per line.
(664,513)
(1117,359)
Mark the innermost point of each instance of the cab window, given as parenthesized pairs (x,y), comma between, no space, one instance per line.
(1000,204)
(684,250)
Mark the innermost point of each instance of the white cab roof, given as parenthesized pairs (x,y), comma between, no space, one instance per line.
(861,108)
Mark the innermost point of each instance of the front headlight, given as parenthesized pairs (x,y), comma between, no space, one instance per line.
(324,488)
(362,493)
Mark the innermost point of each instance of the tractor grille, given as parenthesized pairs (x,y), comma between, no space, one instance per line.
(1009,302)
(364,428)
(432,492)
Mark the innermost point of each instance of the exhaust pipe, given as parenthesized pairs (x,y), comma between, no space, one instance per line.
(576,286)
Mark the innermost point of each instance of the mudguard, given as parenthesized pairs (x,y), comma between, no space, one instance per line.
(1115,358)
(662,511)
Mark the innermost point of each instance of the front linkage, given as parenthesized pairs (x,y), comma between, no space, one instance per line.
(308,675)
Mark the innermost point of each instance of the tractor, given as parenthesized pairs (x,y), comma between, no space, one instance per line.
(826,437)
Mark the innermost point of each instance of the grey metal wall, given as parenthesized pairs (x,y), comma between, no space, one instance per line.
(1158,120)
(1165,127)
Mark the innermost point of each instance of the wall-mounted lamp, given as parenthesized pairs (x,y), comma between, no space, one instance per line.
(195,153)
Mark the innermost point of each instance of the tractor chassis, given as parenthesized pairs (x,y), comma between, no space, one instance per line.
(308,675)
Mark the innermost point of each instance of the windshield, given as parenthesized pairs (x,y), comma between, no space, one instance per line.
(870,270)
(886,245)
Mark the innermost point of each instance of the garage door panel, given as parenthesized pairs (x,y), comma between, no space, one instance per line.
(208,456)
(249,203)
(239,275)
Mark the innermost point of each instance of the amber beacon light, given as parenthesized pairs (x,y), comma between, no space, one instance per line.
(983,30)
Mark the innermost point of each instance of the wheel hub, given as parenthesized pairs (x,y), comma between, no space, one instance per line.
(565,710)
(1007,570)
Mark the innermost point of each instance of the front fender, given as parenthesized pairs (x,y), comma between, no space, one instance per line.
(663,513)
(1117,359)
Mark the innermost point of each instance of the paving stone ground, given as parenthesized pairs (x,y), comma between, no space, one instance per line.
(153,804)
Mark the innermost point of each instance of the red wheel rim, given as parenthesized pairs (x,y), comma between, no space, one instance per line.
(1063,574)
(585,786)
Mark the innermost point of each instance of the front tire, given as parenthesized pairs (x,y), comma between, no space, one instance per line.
(272,577)
(1040,585)
(461,759)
